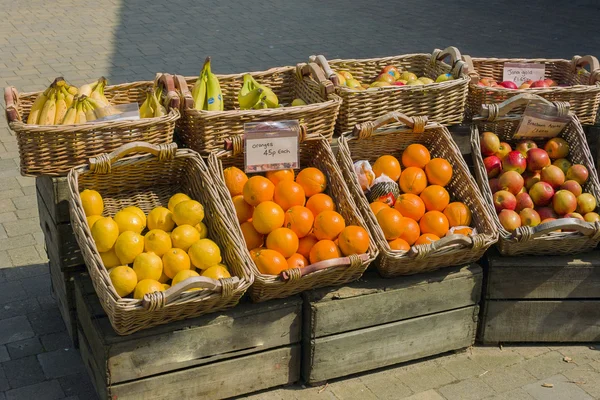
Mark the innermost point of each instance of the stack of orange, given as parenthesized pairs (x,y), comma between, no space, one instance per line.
(422,212)
(288,221)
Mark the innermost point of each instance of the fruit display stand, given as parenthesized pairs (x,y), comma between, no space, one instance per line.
(229,353)
(541,299)
(205,131)
(375,322)
(443,102)
(570,83)
(546,238)
(368,142)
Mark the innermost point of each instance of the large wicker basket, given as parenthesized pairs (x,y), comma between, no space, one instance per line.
(441,102)
(583,92)
(541,240)
(316,153)
(368,142)
(148,181)
(55,149)
(205,131)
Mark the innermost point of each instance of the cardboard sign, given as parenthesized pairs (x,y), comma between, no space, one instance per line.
(521,72)
(541,121)
(271,146)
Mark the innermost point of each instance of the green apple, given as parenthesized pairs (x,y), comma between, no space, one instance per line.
(426,80)
(298,102)
(415,82)
(380,84)
(444,78)
(408,76)
(353,83)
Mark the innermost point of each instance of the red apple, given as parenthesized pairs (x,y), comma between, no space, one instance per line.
(525,145)
(579,173)
(564,202)
(526,84)
(511,181)
(550,82)
(487,82)
(514,161)
(549,220)
(494,185)
(557,148)
(572,186)
(509,85)
(552,175)
(529,217)
(383,77)
(591,217)
(546,212)
(490,143)
(504,200)
(493,166)
(523,201)
(531,178)
(541,193)
(575,215)
(586,203)
(390,69)
(563,164)
(509,219)
(398,83)
(537,159)
(539,84)
(523,190)
(503,150)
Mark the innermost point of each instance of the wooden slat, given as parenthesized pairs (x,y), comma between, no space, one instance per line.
(63,292)
(95,372)
(54,193)
(541,321)
(365,349)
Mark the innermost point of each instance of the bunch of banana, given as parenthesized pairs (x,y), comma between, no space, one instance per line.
(86,109)
(207,90)
(152,107)
(50,107)
(256,96)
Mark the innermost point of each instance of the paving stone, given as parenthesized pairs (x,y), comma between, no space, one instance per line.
(78,384)
(472,388)
(49,390)
(515,394)
(412,377)
(595,365)
(9,183)
(26,181)
(16,242)
(7,205)
(45,322)
(11,291)
(37,285)
(502,380)
(562,389)
(10,193)
(4,386)
(24,202)
(7,216)
(61,362)
(25,256)
(24,348)
(529,351)
(19,273)
(490,358)
(578,354)
(586,377)
(4,353)
(427,395)
(385,385)
(461,367)
(15,329)
(547,365)
(30,213)
(28,191)
(55,341)
(47,302)
(20,307)
(5,261)
(23,372)
(352,389)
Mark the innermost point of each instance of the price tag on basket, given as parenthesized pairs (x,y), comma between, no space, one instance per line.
(522,72)
(540,120)
(271,146)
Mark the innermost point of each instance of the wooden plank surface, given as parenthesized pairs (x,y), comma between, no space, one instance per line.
(63,292)
(97,374)
(247,328)
(374,301)
(541,321)
(54,193)
(366,349)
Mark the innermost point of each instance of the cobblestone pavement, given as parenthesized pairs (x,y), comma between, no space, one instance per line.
(132,40)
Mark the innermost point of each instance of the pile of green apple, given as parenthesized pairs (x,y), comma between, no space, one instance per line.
(389,76)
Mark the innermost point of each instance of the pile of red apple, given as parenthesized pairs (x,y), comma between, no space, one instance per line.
(532,185)
(542,83)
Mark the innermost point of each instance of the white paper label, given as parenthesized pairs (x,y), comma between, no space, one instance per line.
(539,126)
(521,72)
(271,151)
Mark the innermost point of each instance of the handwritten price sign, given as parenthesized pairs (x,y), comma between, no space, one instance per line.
(271,147)
(522,72)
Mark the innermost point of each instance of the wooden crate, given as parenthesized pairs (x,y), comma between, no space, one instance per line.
(247,348)
(377,322)
(541,299)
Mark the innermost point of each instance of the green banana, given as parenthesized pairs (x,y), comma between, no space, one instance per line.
(272,100)
(250,99)
(214,97)
(247,86)
(262,104)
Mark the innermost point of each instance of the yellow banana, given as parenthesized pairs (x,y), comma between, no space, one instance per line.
(89,111)
(214,97)
(247,86)
(199,89)
(80,115)
(98,92)
(146,110)
(61,108)
(68,96)
(262,104)
(272,100)
(48,113)
(37,106)
(159,109)
(69,118)
(88,88)
(250,99)
(72,90)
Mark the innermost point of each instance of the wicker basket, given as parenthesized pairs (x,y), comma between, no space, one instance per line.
(205,131)
(541,240)
(583,95)
(364,143)
(316,153)
(441,102)
(148,181)
(55,149)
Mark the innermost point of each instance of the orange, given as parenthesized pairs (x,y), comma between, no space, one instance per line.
(434,222)
(427,238)
(389,221)
(463,231)
(297,261)
(399,244)
(435,198)
(279,176)
(288,194)
(410,205)
(243,210)
(328,225)
(300,220)
(324,250)
(258,189)
(458,214)
(252,238)
(413,180)
(320,202)
(353,240)
(312,181)
(305,244)
(235,179)
(377,206)
(269,262)
(415,155)
(410,230)
(388,165)
(439,172)
(267,217)
(284,241)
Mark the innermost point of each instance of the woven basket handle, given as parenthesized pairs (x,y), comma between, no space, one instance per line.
(296,273)
(470,69)
(592,62)
(366,129)
(456,62)
(322,62)
(187,101)
(421,251)
(326,87)
(102,163)
(235,143)
(11,99)
(167,82)
(525,233)
(158,300)
(492,111)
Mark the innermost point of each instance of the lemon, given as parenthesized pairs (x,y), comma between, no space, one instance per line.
(148,266)
(216,272)
(183,275)
(92,202)
(184,236)
(105,232)
(146,286)
(110,259)
(157,241)
(202,229)
(128,245)
(161,218)
(91,220)
(188,212)
(176,199)
(204,254)
(123,279)
(163,278)
(174,261)
(138,211)
(129,221)
(165,286)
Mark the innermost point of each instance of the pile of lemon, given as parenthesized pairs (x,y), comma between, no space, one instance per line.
(174,244)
